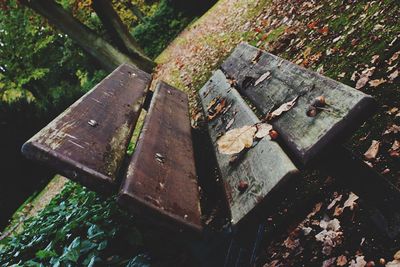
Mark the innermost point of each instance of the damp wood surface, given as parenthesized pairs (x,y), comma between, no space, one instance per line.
(263,167)
(87,142)
(161,180)
(306,137)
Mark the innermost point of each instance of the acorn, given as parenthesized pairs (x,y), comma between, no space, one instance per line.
(273,134)
(319,101)
(242,186)
(311,111)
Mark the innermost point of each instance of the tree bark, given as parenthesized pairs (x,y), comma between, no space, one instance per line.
(105,53)
(119,32)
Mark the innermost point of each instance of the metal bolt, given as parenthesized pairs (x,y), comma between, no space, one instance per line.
(93,123)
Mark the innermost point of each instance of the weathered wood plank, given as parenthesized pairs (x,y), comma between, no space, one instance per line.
(305,136)
(263,167)
(161,178)
(87,142)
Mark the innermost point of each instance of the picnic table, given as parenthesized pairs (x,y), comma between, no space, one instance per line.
(267,119)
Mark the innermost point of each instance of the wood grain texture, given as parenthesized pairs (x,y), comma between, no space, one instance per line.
(161,180)
(87,142)
(264,167)
(306,137)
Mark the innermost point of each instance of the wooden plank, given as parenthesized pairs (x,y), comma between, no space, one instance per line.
(264,167)
(305,136)
(87,142)
(161,179)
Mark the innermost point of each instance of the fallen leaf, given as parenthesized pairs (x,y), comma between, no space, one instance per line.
(393,75)
(329,262)
(362,82)
(324,30)
(334,202)
(350,202)
(392,111)
(394,57)
(392,129)
(374,59)
(358,262)
(395,146)
(316,209)
(236,140)
(256,57)
(229,124)
(215,110)
(372,151)
(263,130)
(397,255)
(283,108)
(341,260)
(377,82)
(395,263)
(262,78)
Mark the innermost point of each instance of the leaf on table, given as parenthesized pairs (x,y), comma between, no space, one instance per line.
(263,130)
(215,109)
(236,140)
(262,78)
(377,82)
(372,151)
(283,108)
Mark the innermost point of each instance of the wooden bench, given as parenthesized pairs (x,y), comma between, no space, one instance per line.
(88,142)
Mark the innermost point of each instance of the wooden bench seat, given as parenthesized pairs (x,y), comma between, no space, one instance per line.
(161,178)
(88,141)
(269,81)
(263,167)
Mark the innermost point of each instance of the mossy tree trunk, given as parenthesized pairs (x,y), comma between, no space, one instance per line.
(104,52)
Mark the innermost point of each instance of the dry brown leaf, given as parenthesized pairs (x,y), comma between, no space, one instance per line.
(283,108)
(393,75)
(397,255)
(395,146)
(235,140)
(341,260)
(316,209)
(334,202)
(377,82)
(358,262)
(372,151)
(263,130)
(262,78)
(394,263)
(374,59)
(394,57)
(362,82)
(392,111)
(392,129)
(350,202)
(214,111)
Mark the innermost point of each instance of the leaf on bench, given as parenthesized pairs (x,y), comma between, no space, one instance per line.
(259,169)
(87,142)
(305,132)
(161,179)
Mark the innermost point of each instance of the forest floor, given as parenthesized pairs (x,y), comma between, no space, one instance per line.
(354,42)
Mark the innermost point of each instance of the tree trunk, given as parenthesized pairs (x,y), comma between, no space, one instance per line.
(105,53)
(119,32)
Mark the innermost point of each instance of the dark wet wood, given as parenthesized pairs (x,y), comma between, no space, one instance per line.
(305,137)
(264,167)
(161,180)
(87,142)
